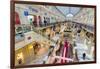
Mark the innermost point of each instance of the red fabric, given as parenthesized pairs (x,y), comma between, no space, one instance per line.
(17,19)
(66,52)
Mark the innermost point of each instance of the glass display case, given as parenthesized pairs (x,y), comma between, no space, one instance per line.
(19,35)
(27,28)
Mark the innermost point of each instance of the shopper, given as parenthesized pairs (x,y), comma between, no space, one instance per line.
(84,56)
(19,61)
(45,22)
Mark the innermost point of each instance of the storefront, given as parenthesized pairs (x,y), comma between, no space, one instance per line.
(24,55)
(31,52)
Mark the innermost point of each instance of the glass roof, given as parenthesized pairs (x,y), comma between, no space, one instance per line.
(68,10)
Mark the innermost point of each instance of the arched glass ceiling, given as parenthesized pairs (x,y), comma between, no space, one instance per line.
(68,10)
(69,15)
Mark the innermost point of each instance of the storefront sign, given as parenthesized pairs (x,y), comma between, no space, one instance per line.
(26,13)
